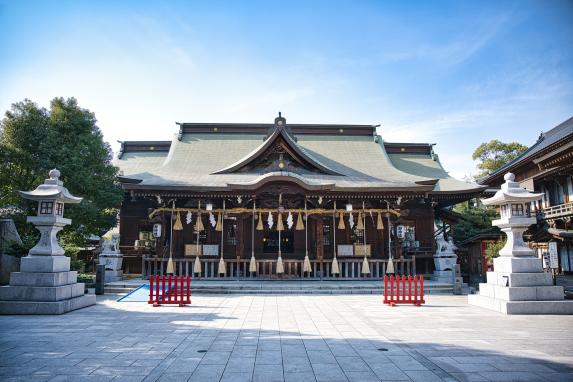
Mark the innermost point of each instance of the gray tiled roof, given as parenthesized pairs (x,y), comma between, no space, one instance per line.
(362,162)
(546,139)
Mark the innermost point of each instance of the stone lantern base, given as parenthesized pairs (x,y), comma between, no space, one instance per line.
(519,286)
(44,285)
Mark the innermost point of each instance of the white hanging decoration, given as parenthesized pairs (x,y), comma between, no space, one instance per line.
(290,220)
(270,221)
(188,217)
(351,221)
(212,219)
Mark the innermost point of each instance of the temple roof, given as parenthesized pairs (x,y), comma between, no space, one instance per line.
(218,157)
(548,140)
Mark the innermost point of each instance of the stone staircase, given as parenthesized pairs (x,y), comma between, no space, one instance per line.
(281,287)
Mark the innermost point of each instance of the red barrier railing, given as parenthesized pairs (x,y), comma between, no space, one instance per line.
(169,290)
(404,290)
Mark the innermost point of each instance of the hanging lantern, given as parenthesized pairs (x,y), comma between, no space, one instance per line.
(299,223)
(341,220)
(334,269)
(219,226)
(260,223)
(280,226)
(253,264)
(306,265)
(365,266)
(379,224)
(178,226)
(360,224)
(197,265)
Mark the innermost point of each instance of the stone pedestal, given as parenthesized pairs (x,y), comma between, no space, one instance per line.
(44,285)
(518,285)
(112,259)
(445,260)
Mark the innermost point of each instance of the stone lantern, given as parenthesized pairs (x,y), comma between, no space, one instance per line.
(49,220)
(45,284)
(518,284)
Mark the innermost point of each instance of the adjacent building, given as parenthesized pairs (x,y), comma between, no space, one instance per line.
(547,167)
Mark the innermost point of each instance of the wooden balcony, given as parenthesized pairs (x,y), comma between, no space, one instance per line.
(558,211)
(350,269)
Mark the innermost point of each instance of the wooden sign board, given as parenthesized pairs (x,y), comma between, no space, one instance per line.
(211,250)
(361,250)
(345,250)
(553,260)
(193,249)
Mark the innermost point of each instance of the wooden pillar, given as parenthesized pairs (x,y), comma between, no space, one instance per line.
(319,238)
(241,237)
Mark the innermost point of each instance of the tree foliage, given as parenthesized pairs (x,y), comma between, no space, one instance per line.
(475,221)
(494,154)
(34,140)
(492,249)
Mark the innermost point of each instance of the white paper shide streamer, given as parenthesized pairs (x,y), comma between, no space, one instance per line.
(290,220)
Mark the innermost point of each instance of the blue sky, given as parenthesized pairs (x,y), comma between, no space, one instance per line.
(454,73)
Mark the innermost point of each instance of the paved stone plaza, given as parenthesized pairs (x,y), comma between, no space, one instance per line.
(290,338)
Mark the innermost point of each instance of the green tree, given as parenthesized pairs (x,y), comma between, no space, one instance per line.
(34,140)
(494,154)
(473,221)
(492,250)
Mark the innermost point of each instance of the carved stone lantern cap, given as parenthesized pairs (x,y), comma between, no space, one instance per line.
(511,192)
(52,189)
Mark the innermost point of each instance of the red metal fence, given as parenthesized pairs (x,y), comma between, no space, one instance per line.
(165,290)
(404,290)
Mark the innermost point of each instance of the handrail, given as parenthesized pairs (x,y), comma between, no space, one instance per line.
(350,269)
(558,210)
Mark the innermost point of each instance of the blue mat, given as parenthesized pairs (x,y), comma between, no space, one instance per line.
(140,294)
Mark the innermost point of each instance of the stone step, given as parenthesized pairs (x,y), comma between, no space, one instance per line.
(43,279)
(519,279)
(537,293)
(237,289)
(41,294)
(522,307)
(44,307)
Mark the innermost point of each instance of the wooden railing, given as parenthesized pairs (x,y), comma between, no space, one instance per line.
(558,210)
(350,269)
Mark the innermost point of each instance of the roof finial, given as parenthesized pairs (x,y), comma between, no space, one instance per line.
(280,114)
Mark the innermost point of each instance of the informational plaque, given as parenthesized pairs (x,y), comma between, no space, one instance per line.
(345,250)
(362,250)
(553,260)
(211,250)
(193,249)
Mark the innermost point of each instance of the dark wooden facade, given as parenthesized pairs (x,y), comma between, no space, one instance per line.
(288,167)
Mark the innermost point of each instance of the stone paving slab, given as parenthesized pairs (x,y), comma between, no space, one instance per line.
(286,338)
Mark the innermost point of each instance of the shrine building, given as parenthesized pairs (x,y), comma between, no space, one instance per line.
(241,200)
